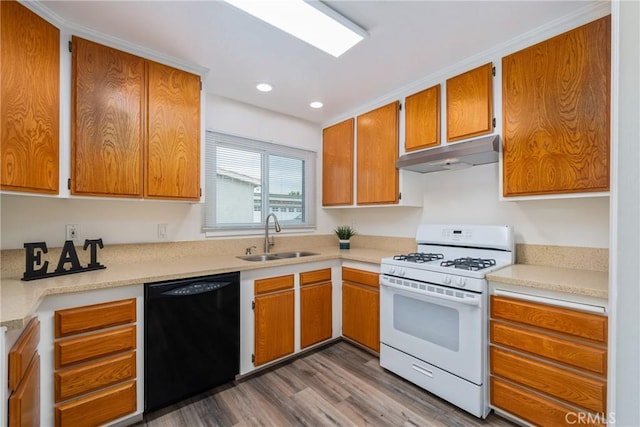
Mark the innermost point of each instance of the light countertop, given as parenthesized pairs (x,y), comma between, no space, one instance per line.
(566,280)
(20,299)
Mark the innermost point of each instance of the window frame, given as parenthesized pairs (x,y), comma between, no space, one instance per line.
(215,138)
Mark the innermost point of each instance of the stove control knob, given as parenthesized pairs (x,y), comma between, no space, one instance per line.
(461,282)
(392,270)
(402,271)
(446,279)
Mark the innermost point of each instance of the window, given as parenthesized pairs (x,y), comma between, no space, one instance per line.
(247,179)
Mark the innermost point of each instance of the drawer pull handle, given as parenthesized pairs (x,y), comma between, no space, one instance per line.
(422,370)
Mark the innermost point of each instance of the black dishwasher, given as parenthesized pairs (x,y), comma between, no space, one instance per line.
(191,337)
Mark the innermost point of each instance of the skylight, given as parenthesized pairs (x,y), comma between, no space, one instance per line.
(311,21)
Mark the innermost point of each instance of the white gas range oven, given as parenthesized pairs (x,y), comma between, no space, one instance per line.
(434,309)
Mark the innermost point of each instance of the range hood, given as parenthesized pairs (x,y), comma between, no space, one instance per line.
(461,155)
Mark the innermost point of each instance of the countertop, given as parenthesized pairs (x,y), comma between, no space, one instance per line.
(20,299)
(570,281)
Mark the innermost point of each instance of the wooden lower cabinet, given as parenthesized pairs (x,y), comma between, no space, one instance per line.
(315,307)
(534,408)
(89,347)
(24,403)
(95,377)
(273,319)
(361,307)
(86,378)
(98,408)
(548,363)
(24,378)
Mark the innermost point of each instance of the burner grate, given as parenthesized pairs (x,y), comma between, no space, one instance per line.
(473,264)
(419,257)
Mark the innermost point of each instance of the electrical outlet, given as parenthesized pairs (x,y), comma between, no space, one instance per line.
(73,233)
(162,231)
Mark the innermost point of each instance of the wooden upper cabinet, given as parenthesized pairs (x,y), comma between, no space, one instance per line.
(422,119)
(173,146)
(135,126)
(470,103)
(337,164)
(556,113)
(377,175)
(107,120)
(30,101)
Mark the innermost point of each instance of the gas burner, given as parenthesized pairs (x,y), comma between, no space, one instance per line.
(418,257)
(469,263)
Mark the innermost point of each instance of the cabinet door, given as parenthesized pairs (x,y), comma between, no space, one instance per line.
(173,141)
(470,103)
(361,315)
(24,403)
(556,107)
(273,326)
(30,101)
(315,314)
(337,164)
(422,119)
(377,155)
(22,353)
(106,121)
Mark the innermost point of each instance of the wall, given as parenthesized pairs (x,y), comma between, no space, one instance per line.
(470,196)
(34,218)
(624,292)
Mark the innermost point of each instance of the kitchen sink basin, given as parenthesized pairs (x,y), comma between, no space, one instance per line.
(295,254)
(263,257)
(280,255)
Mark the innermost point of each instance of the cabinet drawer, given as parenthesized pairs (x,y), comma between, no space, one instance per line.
(92,317)
(22,352)
(557,319)
(588,393)
(362,277)
(273,284)
(315,276)
(24,403)
(73,350)
(100,374)
(582,356)
(532,407)
(98,408)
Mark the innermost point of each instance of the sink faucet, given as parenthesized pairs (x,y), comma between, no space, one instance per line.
(267,243)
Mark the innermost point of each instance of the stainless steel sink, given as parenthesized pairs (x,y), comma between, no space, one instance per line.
(280,255)
(263,257)
(294,254)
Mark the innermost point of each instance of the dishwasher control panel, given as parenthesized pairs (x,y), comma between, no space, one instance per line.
(196,288)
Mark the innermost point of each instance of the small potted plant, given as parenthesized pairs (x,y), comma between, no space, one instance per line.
(344,233)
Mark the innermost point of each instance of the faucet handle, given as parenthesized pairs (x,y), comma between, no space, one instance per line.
(247,251)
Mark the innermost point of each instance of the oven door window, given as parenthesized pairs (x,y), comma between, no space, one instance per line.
(411,316)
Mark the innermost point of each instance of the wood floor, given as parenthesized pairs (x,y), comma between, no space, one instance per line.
(339,385)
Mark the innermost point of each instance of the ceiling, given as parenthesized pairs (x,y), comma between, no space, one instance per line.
(408,40)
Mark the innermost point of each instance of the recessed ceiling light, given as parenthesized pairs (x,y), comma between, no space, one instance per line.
(316,104)
(309,20)
(264,87)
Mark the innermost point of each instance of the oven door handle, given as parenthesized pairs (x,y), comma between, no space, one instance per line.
(475,302)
